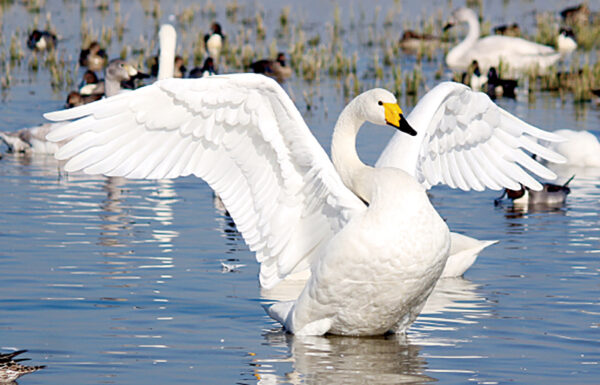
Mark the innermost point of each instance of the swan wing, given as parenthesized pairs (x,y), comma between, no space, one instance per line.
(466,141)
(243,135)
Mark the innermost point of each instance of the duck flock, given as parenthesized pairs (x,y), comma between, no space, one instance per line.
(365,240)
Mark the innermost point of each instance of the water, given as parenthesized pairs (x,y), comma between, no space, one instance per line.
(107,280)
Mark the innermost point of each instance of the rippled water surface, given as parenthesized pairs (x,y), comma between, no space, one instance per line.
(107,280)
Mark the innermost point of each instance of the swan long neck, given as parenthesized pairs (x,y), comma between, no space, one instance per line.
(344,155)
(453,59)
(166,59)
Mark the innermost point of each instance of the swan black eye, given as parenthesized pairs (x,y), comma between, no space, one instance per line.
(380,103)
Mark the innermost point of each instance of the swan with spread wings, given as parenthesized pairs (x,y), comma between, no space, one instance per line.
(373,243)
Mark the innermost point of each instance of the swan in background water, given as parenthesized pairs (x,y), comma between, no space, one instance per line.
(581,148)
(518,54)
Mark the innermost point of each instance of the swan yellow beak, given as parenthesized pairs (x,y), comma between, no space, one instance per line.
(395,118)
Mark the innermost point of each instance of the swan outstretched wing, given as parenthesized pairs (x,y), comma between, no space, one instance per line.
(243,135)
(466,141)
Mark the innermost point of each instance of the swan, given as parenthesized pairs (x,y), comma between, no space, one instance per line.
(374,244)
(466,141)
(518,54)
(581,148)
(294,207)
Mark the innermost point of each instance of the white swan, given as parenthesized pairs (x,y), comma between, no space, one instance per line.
(167,37)
(581,148)
(466,141)
(372,266)
(518,54)
(243,135)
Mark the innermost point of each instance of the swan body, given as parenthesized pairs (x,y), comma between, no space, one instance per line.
(466,141)
(518,54)
(581,148)
(294,208)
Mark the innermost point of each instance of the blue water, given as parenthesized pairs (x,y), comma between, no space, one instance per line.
(113,281)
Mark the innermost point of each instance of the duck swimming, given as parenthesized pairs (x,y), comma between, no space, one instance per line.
(41,40)
(277,68)
(11,368)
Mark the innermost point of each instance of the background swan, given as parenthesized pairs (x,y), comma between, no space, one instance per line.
(293,208)
(581,148)
(518,54)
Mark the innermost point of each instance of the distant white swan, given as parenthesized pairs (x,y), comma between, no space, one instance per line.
(581,148)
(518,54)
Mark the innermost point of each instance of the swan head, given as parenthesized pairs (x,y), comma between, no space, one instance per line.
(380,107)
(460,15)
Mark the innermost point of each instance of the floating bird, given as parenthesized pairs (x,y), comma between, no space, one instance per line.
(76,99)
(41,40)
(519,54)
(566,42)
(581,148)
(11,369)
(473,77)
(213,42)
(577,15)
(550,195)
(508,30)
(89,82)
(497,87)
(94,58)
(414,41)
(276,69)
(118,75)
(373,243)
(207,69)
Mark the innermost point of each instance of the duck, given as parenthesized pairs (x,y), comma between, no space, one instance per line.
(356,229)
(576,15)
(75,99)
(207,69)
(89,82)
(94,58)
(213,42)
(473,77)
(508,30)
(413,41)
(497,87)
(11,368)
(41,40)
(519,54)
(550,195)
(275,68)
(566,42)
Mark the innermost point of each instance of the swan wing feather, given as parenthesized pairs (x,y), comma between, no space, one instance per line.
(243,135)
(466,141)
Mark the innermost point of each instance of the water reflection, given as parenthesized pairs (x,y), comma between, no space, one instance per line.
(343,360)
(454,304)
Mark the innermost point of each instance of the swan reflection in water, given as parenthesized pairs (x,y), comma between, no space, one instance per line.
(454,304)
